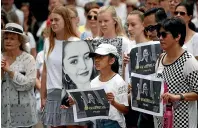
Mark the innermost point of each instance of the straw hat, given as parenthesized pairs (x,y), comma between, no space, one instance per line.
(15,28)
(133,2)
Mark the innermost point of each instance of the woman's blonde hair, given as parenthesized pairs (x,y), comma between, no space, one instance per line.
(139,13)
(118,26)
(73,9)
(69,31)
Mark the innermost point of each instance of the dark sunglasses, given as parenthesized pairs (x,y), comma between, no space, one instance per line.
(163,34)
(180,13)
(151,28)
(89,17)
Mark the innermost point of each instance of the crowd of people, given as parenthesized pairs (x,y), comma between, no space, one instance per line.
(39,61)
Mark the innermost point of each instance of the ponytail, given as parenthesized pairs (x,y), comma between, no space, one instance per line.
(192,26)
(115,65)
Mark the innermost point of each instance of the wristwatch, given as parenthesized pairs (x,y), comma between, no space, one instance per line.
(181,97)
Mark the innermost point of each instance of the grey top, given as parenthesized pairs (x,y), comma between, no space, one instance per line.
(18,102)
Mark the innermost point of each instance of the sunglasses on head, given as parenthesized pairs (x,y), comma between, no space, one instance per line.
(162,34)
(151,28)
(89,17)
(180,13)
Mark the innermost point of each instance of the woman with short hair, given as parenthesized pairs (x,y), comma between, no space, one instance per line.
(18,103)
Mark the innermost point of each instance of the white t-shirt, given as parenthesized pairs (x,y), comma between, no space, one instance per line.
(81,14)
(39,62)
(119,88)
(121,11)
(54,63)
(41,28)
(31,44)
(39,66)
(31,40)
(131,45)
(28,47)
(192,45)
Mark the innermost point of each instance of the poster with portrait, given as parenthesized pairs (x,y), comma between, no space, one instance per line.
(145,96)
(89,104)
(77,67)
(143,58)
(117,42)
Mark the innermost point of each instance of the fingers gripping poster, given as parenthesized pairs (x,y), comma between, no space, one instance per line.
(146,87)
(89,104)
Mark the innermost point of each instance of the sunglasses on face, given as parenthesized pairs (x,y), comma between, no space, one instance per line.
(89,17)
(180,13)
(151,28)
(162,34)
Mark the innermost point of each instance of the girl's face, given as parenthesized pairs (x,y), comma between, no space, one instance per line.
(181,12)
(90,97)
(92,19)
(77,64)
(57,23)
(11,41)
(25,10)
(135,26)
(145,87)
(173,4)
(145,53)
(102,62)
(106,22)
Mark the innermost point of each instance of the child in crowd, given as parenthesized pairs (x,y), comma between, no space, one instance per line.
(106,62)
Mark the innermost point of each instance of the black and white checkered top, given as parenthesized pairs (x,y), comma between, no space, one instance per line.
(182,77)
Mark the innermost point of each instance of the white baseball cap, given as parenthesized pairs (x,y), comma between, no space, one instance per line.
(104,49)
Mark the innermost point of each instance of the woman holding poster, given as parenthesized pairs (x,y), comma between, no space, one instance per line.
(112,32)
(106,62)
(51,83)
(180,72)
(136,27)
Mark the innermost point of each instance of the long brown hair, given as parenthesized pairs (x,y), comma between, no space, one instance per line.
(68,29)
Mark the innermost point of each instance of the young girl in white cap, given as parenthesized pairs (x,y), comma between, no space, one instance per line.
(106,62)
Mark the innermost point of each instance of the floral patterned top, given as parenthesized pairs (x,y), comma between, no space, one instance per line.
(18,102)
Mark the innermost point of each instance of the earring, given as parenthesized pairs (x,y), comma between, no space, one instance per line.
(67,79)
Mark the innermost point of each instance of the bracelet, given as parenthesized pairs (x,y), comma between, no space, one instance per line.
(181,97)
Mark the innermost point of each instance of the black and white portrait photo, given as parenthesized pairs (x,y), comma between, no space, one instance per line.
(143,58)
(77,67)
(117,42)
(89,104)
(146,95)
